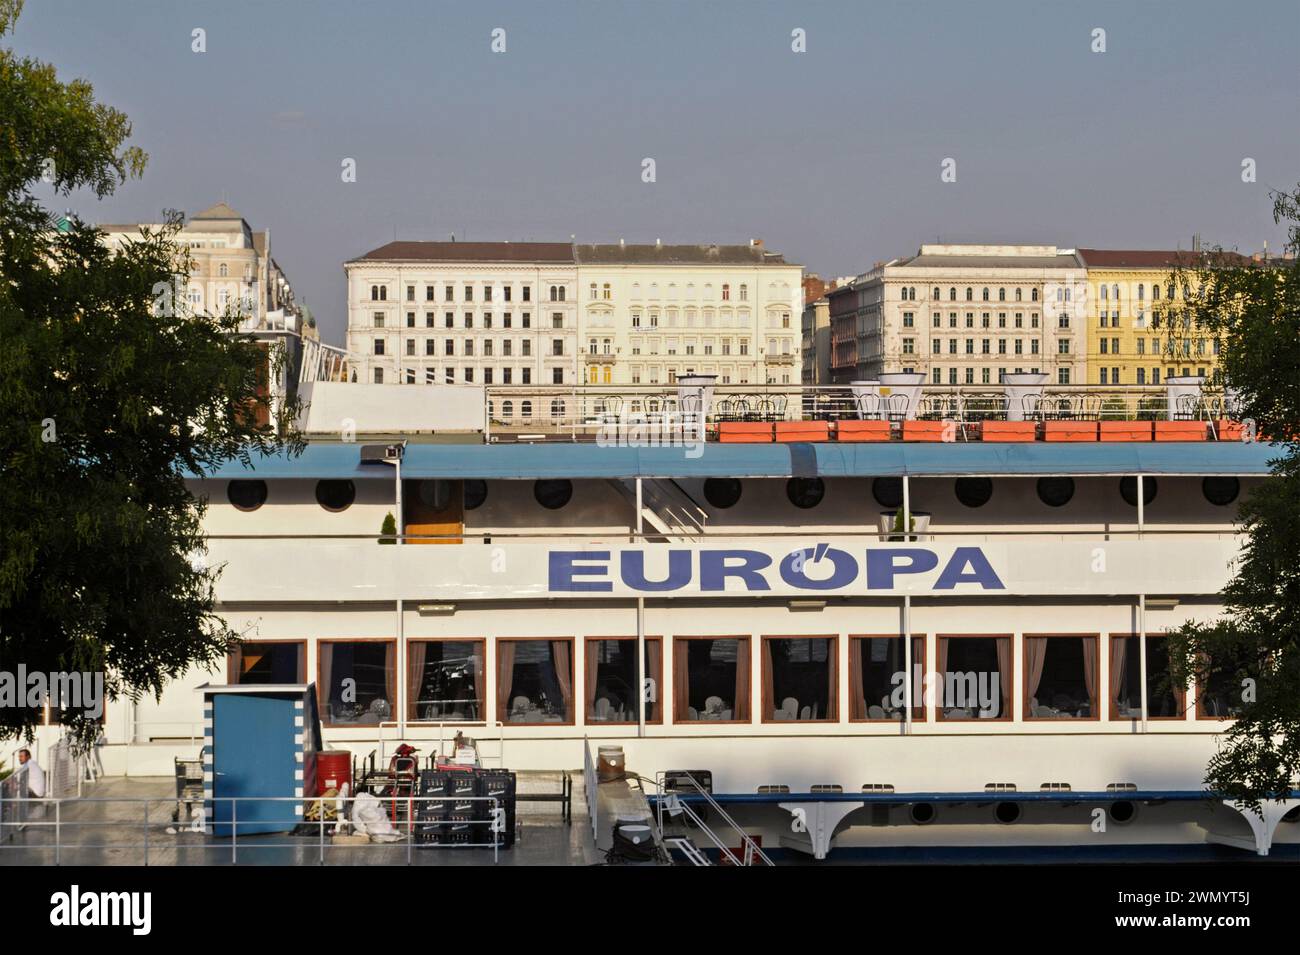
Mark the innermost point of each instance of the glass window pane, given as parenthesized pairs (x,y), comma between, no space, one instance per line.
(711,679)
(444,680)
(535,681)
(799,678)
(976,678)
(1060,678)
(358,681)
(612,680)
(876,684)
(1164,700)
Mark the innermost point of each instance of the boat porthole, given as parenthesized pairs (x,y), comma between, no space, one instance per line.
(805,492)
(1122,812)
(475,494)
(722,493)
(1128,490)
(922,813)
(1221,491)
(888,492)
(1007,812)
(1055,491)
(246,495)
(553,494)
(973,492)
(335,495)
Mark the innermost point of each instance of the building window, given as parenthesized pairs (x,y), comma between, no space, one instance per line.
(726,292)
(379,346)
(799,679)
(410,293)
(1062,375)
(1060,677)
(876,678)
(379,376)
(271,661)
(975,675)
(357,681)
(445,680)
(711,677)
(469,293)
(611,680)
(535,681)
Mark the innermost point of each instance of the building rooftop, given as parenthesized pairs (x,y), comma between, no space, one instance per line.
(559,253)
(1154,258)
(658,254)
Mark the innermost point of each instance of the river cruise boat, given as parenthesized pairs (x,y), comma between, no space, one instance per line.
(876,617)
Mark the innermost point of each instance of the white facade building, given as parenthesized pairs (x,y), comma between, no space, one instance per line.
(494,313)
(502,313)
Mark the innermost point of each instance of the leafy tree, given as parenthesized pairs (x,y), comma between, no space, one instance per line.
(111,395)
(388,529)
(1254,311)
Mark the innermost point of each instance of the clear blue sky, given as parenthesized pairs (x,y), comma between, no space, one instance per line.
(831,156)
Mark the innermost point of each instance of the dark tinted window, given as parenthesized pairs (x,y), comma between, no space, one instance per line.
(805,492)
(722,492)
(335,495)
(888,491)
(246,495)
(1128,490)
(1055,491)
(475,494)
(974,492)
(553,495)
(1220,491)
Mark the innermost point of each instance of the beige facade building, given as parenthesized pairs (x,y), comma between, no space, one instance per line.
(502,313)
(965,315)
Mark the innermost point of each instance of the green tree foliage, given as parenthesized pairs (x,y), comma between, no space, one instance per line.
(1254,652)
(111,395)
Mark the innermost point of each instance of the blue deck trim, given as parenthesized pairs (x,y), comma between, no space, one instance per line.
(557,460)
(1139,795)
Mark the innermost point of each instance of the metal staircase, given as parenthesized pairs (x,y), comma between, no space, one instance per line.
(665,507)
(671,803)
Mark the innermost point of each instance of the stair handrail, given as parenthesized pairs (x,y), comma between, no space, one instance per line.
(750,848)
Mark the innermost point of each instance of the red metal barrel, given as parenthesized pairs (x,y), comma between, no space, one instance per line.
(333,769)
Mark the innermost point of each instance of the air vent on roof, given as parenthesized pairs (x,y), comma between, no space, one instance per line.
(1054,788)
(1121,787)
(999,787)
(827,788)
(877,788)
(774,789)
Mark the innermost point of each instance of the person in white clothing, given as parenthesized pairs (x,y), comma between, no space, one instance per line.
(35,775)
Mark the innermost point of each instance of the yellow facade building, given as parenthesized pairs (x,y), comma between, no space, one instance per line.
(1138,333)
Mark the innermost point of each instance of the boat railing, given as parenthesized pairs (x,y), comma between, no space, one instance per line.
(58,830)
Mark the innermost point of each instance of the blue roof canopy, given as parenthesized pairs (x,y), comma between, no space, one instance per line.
(532,461)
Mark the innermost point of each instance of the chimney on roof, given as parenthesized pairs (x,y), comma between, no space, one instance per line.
(621,244)
(659,243)
(1196,242)
(756,243)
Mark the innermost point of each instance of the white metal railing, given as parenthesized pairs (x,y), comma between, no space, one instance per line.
(193,731)
(669,801)
(589,791)
(57,828)
(410,732)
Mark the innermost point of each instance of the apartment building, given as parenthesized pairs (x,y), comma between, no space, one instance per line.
(965,315)
(653,312)
(488,313)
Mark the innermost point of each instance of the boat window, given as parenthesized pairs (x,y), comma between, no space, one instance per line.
(976,678)
(888,491)
(444,680)
(1164,699)
(1221,491)
(357,681)
(272,662)
(475,494)
(973,491)
(876,688)
(1055,491)
(711,679)
(1128,490)
(805,492)
(553,495)
(1060,677)
(612,680)
(335,495)
(722,492)
(535,681)
(799,679)
(246,495)
(1222,694)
